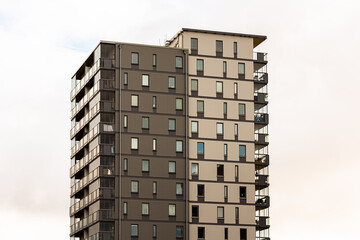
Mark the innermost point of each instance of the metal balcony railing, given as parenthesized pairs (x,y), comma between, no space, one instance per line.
(261,77)
(85,140)
(260,56)
(102,236)
(88,96)
(85,120)
(261,138)
(80,84)
(261,118)
(91,219)
(85,160)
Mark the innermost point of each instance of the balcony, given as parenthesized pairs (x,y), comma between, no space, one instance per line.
(260,57)
(85,160)
(88,96)
(261,118)
(85,120)
(261,181)
(260,78)
(262,223)
(92,219)
(262,202)
(102,236)
(261,98)
(261,161)
(261,139)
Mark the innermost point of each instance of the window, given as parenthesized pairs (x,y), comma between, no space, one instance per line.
(179,62)
(200,106)
(145,208)
(219,46)
(179,231)
(172,125)
(172,82)
(236,129)
(219,87)
(235,89)
(154,145)
(241,109)
(145,123)
(195,211)
(225,108)
(154,187)
(201,190)
(242,192)
(220,212)
(134,100)
(179,104)
(200,148)
(134,230)
(145,166)
(154,102)
(235,47)
(125,121)
(125,164)
(134,143)
(219,128)
(134,186)
(241,68)
(172,210)
(236,171)
(172,167)
(242,150)
(125,208)
(194,126)
(243,234)
(125,78)
(224,67)
(179,146)
(194,169)
(194,44)
(226,193)
(201,232)
(236,213)
(200,65)
(194,85)
(154,234)
(225,150)
(145,80)
(179,189)
(154,60)
(220,170)
(226,233)
(134,58)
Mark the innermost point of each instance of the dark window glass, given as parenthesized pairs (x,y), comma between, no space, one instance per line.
(179,231)
(134,58)
(201,190)
(201,232)
(195,211)
(220,170)
(242,192)
(243,234)
(219,46)
(194,44)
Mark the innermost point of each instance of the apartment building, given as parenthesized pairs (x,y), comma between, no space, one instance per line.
(170,142)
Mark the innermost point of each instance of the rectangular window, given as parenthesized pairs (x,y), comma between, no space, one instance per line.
(154,102)
(194,126)
(134,100)
(125,78)
(172,167)
(125,208)
(226,193)
(195,169)
(241,109)
(171,82)
(235,89)
(134,143)
(219,87)
(224,67)
(179,231)
(241,68)
(154,145)
(194,44)
(179,189)
(220,170)
(219,46)
(220,212)
(225,150)
(172,210)
(201,190)
(145,80)
(200,106)
(236,213)
(179,104)
(219,128)
(179,146)
(235,47)
(236,129)
(154,60)
(195,211)
(226,234)
(200,148)
(172,125)
(236,171)
(154,231)
(154,187)
(179,62)
(145,167)
(243,234)
(242,150)
(242,192)
(194,85)
(225,108)
(134,230)
(125,121)
(201,233)
(145,123)
(134,58)
(200,65)
(125,164)
(134,186)
(145,209)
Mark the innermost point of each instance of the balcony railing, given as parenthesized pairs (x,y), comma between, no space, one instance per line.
(260,56)
(262,201)
(261,181)
(261,98)
(85,120)
(262,159)
(261,138)
(85,140)
(262,118)
(262,222)
(80,84)
(91,219)
(88,96)
(102,236)
(85,160)
(261,77)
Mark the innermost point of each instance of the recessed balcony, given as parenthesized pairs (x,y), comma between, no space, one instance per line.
(261,139)
(262,223)
(260,60)
(262,202)
(261,181)
(261,161)
(261,118)
(261,98)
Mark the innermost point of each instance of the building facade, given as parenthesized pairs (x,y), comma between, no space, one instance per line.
(171,142)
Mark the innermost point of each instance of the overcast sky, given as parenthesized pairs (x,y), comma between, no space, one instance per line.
(313,51)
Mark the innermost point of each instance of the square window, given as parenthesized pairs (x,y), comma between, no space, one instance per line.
(200,65)
(219,87)
(179,231)
(172,210)
(179,62)
(179,104)
(220,212)
(201,233)
(134,186)
(125,208)
(171,82)
(195,211)
(134,100)
(179,146)
(154,187)
(241,68)
(194,126)
(145,167)
(154,60)
(145,80)
(172,167)
(134,230)
(200,148)
(125,164)
(241,109)
(219,46)
(125,121)
(134,143)
(145,208)
(219,128)
(194,44)
(134,58)
(195,169)
(145,123)
(194,85)
(242,150)
(154,144)
(125,78)
(172,125)
(154,102)
(179,189)
(200,106)
(220,170)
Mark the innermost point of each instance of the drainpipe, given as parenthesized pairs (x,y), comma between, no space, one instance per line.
(186,149)
(120,122)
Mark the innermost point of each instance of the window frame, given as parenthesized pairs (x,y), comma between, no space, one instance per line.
(196,165)
(137,230)
(192,47)
(196,83)
(197,106)
(154,144)
(235,46)
(134,140)
(134,97)
(172,172)
(236,90)
(219,126)
(145,80)
(126,78)
(226,150)
(147,209)
(125,164)
(181,187)
(154,187)
(145,123)
(219,87)
(172,212)
(177,61)
(134,184)
(125,208)
(236,129)
(171,121)
(221,213)
(154,102)
(218,167)
(170,85)
(224,67)
(195,123)
(132,58)
(203,148)
(125,121)
(219,46)
(179,101)
(154,60)
(241,68)
(200,65)
(225,108)
(176,146)
(244,109)
(145,168)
